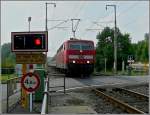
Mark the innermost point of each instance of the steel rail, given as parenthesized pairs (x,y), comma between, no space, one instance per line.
(139,95)
(119,103)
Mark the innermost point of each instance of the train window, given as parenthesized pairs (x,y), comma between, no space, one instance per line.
(81,46)
(74,46)
(87,47)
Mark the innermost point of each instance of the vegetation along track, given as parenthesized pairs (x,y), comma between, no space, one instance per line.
(128,100)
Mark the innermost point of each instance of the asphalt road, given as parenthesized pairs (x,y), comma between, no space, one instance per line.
(97,80)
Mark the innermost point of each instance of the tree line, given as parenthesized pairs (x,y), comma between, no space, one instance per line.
(105,49)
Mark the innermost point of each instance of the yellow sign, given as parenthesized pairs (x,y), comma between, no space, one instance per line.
(30,58)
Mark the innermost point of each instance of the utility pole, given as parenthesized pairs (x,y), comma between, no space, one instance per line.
(31,70)
(46,28)
(105,64)
(74,28)
(115,40)
(29,20)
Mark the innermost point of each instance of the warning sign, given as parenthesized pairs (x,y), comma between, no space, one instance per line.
(30,82)
(30,58)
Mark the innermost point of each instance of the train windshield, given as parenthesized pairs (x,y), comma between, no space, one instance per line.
(81,46)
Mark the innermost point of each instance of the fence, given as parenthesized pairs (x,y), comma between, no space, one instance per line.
(57,82)
(13,93)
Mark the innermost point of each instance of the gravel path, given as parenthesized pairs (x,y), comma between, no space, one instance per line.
(83,98)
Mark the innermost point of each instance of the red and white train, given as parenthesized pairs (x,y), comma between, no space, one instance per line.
(76,57)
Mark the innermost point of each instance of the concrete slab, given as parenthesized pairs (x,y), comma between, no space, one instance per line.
(72,110)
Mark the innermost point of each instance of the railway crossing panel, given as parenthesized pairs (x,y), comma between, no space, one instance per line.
(29,48)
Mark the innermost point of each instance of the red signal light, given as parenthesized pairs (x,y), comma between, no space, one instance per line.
(37,41)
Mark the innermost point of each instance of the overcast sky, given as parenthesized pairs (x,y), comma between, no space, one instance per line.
(132,17)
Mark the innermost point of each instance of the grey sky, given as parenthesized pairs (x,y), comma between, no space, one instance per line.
(132,17)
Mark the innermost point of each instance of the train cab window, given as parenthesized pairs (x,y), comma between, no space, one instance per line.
(81,46)
(87,46)
(74,46)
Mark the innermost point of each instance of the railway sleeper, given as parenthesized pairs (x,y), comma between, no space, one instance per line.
(119,103)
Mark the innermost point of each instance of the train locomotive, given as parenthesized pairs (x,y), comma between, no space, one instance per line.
(76,57)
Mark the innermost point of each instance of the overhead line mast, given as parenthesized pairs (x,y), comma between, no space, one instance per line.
(74,27)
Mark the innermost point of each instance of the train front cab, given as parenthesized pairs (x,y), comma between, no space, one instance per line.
(81,58)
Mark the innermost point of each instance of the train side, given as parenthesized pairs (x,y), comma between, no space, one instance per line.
(76,57)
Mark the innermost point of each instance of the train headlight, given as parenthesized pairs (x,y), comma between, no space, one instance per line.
(74,61)
(88,61)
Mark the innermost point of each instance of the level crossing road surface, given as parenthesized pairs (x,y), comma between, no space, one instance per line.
(97,80)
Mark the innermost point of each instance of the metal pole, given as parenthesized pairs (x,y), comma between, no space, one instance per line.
(31,95)
(64,84)
(115,40)
(115,43)
(74,34)
(47,94)
(29,20)
(7,106)
(123,66)
(29,26)
(31,103)
(105,64)
(46,29)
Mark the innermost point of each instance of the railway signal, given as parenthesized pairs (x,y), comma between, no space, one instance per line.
(130,59)
(29,41)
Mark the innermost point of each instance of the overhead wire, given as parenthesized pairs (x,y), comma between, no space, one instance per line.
(98,19)
(135,20)
(81,8)
(126,10)
(59,24)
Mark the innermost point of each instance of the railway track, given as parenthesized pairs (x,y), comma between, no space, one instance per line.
(130,101)
(143,89)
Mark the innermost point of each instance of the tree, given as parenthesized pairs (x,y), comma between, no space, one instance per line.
(141,50)
(105,48)
(7,57)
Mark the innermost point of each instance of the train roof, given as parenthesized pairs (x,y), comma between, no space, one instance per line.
(74,40)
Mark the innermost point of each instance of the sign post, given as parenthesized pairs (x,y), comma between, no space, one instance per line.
(30,83)
(31,102)
(31,99)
